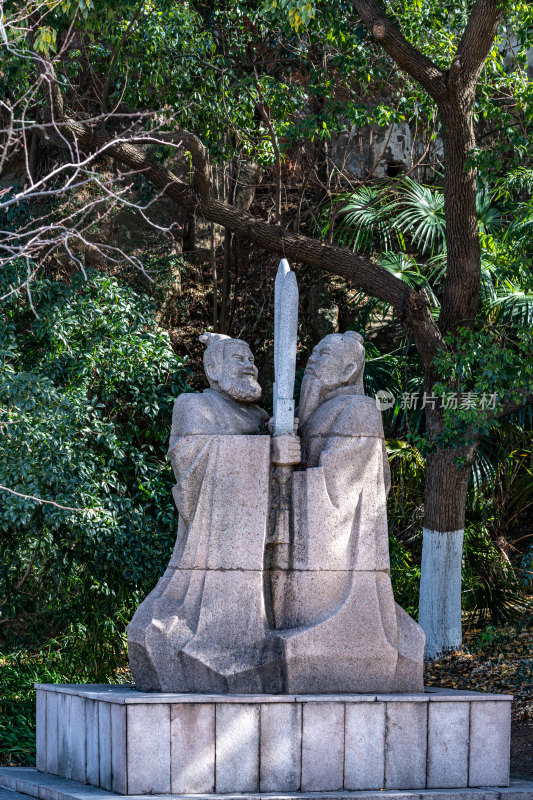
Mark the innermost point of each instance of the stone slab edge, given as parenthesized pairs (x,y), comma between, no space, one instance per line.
(127,694)
(26,781)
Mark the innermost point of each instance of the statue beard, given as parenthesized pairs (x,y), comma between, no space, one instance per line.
(312,393)
(244,390)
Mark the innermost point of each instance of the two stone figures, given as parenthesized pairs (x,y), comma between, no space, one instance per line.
(238,610)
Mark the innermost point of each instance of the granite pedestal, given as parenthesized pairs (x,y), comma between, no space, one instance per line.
(135,743)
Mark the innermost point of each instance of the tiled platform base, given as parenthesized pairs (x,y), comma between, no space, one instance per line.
(24,782)
(133,743)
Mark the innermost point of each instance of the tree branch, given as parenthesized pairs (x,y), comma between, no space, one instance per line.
(408,58)
(22,580)
(39,500)
(411,306)
(191,142)
(512,408)
(477,39)
(114,55)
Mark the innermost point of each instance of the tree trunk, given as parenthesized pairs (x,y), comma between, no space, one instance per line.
(214,277)
(444,520)
(189,233)
(224,325)
(463,261)
(453,91)
(446,480)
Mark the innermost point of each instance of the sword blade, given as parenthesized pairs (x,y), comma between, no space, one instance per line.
(285,340)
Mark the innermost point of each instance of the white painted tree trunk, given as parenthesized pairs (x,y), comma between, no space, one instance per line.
(439,611)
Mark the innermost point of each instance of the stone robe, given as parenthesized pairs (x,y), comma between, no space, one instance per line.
(341,629)
(203,628)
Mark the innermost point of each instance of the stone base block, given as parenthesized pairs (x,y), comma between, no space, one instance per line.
(135,743)
(24,782)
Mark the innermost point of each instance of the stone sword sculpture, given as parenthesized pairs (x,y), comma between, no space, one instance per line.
(285,338)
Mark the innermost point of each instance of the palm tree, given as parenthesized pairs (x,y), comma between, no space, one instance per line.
(403,226)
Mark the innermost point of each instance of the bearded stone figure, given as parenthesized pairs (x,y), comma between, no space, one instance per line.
(203,628)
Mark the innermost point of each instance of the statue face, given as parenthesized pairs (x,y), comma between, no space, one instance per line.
(236,374)
(329,362)
(338,360)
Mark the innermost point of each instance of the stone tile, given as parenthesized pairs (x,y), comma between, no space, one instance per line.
(84,688)
(280,747)
(40,713)
(104,745)
(222,699)
(52,763)
(418,697)
(437,694)
(63,734)
(364,759)
(148,749)
(51,787)
(192,748)
(77,730)
(448,738)
(91,722)
(490,732)
(458,794)
(8,778)
(405,745)
(339,698)
(119,781)
(28,788)
(47,787)
(517,789)
(322,747)
(56,788)
(237,748)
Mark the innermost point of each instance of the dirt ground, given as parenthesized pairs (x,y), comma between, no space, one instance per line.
(497,660)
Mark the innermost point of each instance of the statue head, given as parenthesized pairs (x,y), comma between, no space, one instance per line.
(337,363)
(229,367)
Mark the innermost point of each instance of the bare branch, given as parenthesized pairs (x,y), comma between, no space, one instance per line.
(40,500)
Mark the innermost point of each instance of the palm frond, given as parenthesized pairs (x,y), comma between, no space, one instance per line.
(408,454)
(382,372)
(488,215)
(515,305)
(405,268)
(422,217)
(515,182)
(366,221)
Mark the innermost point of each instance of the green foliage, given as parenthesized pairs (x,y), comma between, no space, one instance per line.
(492,589)
(485,364)
(62,661)
(403,226)
(86,387)
(86,392)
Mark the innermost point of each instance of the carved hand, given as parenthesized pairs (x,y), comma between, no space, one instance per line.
(286,450)
(270,425)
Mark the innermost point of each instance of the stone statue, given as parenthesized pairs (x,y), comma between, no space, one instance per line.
(204,626)
(341,629)
(227,616)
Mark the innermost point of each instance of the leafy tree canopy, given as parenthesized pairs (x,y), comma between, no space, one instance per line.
(87,385)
